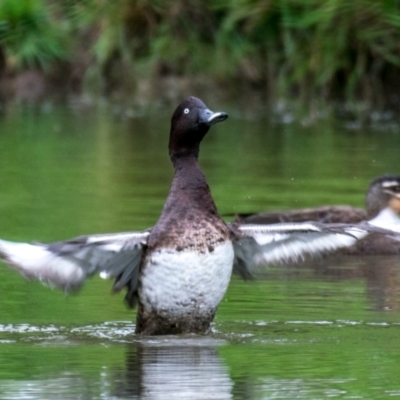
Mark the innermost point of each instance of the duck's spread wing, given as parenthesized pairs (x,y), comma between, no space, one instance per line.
(67,264)
(258,245)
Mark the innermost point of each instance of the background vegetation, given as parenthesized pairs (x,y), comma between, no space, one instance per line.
(313,50)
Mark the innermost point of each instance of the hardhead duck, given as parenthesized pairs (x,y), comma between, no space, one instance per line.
(177,272)
(382,209)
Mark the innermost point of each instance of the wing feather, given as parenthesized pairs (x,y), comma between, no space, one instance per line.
(260,245)
(67,264)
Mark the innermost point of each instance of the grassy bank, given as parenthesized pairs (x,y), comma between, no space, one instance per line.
(311,50)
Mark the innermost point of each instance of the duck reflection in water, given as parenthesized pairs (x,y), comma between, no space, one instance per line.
(173,368)
(178,271)
(380,273)
(184,368)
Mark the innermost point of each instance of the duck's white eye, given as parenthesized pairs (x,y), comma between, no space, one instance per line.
(186,111)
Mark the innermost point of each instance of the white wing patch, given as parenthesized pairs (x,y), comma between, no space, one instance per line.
(67,264)
(35,261)
(280,243)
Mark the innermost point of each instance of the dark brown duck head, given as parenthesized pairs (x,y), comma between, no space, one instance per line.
(190,123)
(383,192)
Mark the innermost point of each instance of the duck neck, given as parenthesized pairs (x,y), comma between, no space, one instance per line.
(189,187)
(375,204)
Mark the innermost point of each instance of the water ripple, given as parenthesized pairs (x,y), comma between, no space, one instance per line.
(123,332)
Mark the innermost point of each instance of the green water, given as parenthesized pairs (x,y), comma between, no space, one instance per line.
(327,329)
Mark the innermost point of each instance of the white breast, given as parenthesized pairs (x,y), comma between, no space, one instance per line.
(187,283)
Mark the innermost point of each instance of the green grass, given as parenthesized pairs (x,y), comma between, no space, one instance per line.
(312,50)
(29,34)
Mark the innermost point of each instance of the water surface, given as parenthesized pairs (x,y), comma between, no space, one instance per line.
(324,329)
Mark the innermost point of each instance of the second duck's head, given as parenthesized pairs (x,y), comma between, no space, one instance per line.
(189,124)
(383,192)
